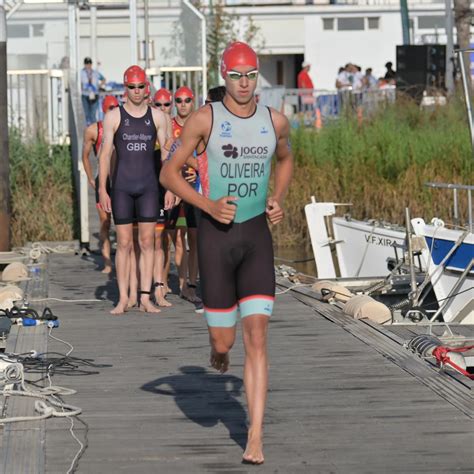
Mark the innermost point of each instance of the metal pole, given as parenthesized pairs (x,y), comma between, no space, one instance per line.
(147,35)
(203,44)
(133,32)
(469,209)
(4,154)
(455,204)
(414,290)
(405,21)
(93,12)
(449,79)
(73,52)
(204,58)
(467,96)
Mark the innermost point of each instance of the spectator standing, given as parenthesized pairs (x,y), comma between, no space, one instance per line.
(344,82)
(90,82)
(390,75)
(369,80)
(304,81)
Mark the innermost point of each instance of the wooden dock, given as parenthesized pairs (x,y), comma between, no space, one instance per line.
(337,402)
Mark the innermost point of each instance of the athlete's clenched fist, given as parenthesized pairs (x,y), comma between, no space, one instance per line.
(274,211)
(223,210)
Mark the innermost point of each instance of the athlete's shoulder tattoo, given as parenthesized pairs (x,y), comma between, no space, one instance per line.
(174,147)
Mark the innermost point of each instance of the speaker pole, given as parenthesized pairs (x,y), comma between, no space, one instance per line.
(405,21)
(449,79)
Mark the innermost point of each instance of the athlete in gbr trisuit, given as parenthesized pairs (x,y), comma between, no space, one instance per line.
(234,242)
(93,141)
(133,130)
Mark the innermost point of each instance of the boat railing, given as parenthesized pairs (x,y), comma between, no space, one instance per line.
(455,188)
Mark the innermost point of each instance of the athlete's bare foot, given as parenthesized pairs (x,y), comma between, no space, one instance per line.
(188,294)
(146,306)
(132,303)
(192,294)
(253,453)
(107,266)
(219,361)
(160,298)
(121,308)
(160,294)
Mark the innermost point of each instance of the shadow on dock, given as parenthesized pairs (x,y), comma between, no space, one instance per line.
(206,399)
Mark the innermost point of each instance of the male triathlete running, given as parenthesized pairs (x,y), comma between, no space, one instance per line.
(183,216)
(93,141)
(234,242)
(132,130)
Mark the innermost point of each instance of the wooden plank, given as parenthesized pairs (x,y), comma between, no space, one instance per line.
(334,405)
(23,442)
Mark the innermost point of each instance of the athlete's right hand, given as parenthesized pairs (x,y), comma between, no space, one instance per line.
(223,210)
(104,200)
(169,200)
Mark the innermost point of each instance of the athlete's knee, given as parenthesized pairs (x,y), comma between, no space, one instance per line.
(125,244)
(220,346)
(255,338)
(146,242)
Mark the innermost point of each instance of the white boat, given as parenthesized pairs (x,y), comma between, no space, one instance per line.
(362,247)
(449,260)
(442,258)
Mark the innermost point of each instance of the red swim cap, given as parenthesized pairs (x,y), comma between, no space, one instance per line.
(238,54)
(109,101)
(134,75)
(184,91)
(163,95)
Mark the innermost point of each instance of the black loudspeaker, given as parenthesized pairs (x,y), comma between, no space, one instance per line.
(421,66)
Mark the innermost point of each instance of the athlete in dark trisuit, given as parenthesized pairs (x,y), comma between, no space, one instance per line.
(92,141)
(234,242)
(133,130)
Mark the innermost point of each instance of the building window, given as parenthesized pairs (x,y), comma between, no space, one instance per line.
(18,31)
(373,23)
(350,24)
(431,22)
(280,74)
(38,29)
(328,23)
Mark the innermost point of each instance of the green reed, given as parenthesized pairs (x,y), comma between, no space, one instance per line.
(42,195)
(380,164)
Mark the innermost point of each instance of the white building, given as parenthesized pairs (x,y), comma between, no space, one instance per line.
(327,35)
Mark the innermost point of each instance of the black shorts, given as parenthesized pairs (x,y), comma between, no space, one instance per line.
(236,269)
(128,208)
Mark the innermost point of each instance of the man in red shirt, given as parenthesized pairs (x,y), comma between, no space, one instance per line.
(304,82)
(304,79)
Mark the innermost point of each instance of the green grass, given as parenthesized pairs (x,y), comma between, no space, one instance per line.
(380,165)
(42,195)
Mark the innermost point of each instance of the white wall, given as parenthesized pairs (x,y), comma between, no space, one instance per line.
(329,50)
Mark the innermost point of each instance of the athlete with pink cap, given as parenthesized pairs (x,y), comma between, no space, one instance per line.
(93,141)
(133,130)
(235,245)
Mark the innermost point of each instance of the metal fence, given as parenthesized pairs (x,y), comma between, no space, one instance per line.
(37,104)
(317,106)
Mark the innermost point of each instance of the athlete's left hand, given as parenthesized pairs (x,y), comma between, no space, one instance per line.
(274,211)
